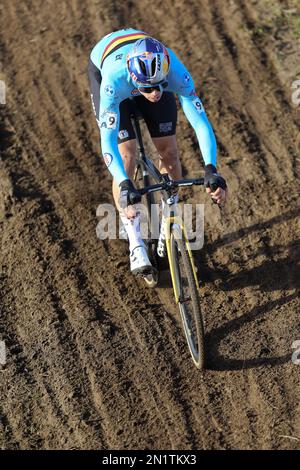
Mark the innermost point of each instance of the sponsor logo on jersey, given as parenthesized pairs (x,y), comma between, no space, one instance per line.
(123,134)
(108,158)
(186,78)
(119,56)
(165,127)
(109,90)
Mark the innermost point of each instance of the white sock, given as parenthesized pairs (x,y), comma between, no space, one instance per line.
(133,229)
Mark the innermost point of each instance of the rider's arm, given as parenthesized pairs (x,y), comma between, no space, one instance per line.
(182,83)
(196,115)
(109,121)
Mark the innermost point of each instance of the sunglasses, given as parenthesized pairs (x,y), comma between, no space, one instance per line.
(159,87)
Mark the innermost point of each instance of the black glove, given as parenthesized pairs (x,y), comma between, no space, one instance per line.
(212,179)
(128,195)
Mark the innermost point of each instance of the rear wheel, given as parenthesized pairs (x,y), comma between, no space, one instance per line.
(189,302)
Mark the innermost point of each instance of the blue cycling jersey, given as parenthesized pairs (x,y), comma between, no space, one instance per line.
(109,56)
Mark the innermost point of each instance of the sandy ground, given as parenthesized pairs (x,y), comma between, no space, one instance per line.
(95,360)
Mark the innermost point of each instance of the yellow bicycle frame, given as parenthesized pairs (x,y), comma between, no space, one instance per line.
(177,220)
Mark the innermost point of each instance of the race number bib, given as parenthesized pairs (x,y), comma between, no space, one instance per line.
(109,121)
(198,105)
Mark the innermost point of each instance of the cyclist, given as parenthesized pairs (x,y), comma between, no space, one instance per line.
(131,64)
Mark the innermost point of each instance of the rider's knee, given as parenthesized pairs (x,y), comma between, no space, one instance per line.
(169,155)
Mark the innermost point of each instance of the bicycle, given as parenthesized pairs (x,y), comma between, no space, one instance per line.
(182,267)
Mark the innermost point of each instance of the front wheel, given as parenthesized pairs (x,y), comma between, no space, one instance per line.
(188,302)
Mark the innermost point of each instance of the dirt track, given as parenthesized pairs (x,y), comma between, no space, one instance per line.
(94,359)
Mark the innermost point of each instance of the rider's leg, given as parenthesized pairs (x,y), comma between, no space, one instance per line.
(128,154)
(139,261)
(168,163)
(161,119)
(168,156)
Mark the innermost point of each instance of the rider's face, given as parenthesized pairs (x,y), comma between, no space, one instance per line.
(154,96)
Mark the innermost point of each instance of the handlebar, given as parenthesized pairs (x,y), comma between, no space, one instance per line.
(171,184)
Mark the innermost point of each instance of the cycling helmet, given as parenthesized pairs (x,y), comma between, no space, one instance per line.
(148,62)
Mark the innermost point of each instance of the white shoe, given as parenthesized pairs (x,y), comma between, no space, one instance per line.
(139,261)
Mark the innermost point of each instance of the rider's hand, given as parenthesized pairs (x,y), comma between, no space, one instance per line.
(128,197)
(215,184)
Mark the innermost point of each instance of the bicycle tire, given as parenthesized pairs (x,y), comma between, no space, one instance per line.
(179,252)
